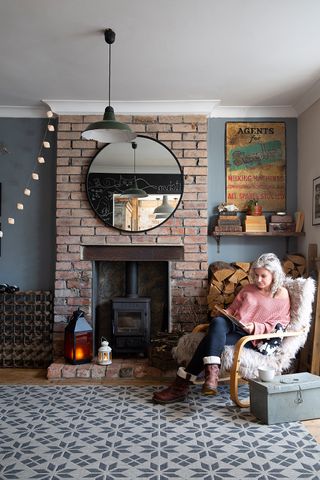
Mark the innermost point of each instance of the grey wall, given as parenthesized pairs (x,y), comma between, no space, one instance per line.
(246,248)
(308,169)
(28,247)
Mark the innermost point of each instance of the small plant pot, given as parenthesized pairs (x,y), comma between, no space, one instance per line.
(256,210)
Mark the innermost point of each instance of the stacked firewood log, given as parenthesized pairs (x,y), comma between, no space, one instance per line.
(227,279)
(294,265)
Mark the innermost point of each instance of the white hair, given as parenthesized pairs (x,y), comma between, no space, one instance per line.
(270,262)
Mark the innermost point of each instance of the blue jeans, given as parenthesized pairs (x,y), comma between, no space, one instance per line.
(221,332)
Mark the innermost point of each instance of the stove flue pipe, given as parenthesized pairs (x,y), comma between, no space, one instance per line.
(132,279)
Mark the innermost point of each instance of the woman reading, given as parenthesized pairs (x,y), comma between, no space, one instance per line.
(258,308)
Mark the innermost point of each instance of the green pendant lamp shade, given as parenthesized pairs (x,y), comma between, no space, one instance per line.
(134,191)
(165,209)
(109,130)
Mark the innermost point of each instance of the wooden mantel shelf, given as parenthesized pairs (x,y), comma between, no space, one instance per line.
(257,234)
(136,252)
(287,235)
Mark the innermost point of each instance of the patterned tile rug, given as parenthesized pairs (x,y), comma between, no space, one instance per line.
(116,432)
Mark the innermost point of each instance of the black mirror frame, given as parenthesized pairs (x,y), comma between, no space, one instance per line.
(165,219)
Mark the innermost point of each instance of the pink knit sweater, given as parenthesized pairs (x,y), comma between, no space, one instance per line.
(250,305)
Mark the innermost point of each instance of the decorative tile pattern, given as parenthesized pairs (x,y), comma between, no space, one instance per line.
(116,432)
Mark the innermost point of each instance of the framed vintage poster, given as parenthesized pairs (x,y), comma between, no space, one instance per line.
(255,154)
(316,201)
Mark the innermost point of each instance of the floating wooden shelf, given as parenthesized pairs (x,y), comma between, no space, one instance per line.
(287,235)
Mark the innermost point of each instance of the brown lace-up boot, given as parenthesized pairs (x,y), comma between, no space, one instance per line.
(210,385)
(177,391)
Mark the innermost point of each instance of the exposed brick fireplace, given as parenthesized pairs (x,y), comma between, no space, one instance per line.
(151,282)
(79,230)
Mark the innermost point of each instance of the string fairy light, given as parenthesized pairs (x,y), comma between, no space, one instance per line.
(40,160)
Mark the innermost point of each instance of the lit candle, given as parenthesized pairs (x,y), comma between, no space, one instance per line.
(46,144)
(79,353)
(27,192)
(35,176)
(20,206)
(41,160)
(11,220)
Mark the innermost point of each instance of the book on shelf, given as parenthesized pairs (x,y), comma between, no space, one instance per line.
(257,228)
(255,219)
(255,223)
(227,228)
(222,221)
(299,217)
(228,215)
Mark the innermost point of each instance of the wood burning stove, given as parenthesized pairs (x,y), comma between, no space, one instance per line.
(131,317)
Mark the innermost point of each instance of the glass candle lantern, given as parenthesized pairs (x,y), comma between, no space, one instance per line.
(104,353)
(78,339)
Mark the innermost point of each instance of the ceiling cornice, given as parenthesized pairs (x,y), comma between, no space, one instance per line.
(23,112)
(283,111)
(210,108)
(308,99)
(156,107)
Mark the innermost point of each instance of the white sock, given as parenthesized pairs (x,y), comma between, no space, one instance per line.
(187,376)
(212,359)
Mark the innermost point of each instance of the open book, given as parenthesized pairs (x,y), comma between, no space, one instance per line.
(231,317)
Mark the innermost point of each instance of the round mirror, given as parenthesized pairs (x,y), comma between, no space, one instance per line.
(135,186)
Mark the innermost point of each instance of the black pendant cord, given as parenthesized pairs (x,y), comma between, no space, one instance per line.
(134,161)
(109,73)
(134,146)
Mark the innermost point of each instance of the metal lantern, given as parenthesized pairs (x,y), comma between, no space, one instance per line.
(104,353)
(78,339)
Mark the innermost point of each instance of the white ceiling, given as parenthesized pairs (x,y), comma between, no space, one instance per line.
(225,53)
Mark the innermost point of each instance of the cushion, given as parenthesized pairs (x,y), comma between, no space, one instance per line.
(268,347)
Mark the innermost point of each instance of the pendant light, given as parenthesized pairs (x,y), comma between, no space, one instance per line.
(134,191)
(165,209)
(109,130)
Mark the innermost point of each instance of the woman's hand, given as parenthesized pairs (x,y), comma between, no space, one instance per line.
(248,327)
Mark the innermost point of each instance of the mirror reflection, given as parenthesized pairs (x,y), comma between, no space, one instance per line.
(134,186)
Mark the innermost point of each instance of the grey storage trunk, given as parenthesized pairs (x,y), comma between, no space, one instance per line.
(288,398)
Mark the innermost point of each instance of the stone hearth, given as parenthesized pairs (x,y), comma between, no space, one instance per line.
(120,368)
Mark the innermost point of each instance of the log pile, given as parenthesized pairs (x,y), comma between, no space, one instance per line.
(294,265)
(225,281)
